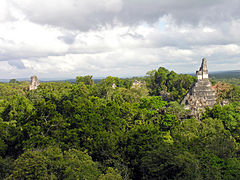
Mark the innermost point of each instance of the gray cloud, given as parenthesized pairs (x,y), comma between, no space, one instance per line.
(91,14)
(71,14)
(68,38)
(17,63)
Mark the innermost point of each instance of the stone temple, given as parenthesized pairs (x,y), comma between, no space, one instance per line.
(34,83)
(201,94)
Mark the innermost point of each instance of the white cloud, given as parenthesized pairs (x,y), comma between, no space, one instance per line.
(73,14)
(4,11)
(116,37)
(23,39)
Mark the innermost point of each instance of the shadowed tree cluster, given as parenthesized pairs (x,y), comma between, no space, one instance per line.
(84,130)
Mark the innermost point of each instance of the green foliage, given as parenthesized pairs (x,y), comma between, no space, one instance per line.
(201,150)
(8,90)
(153,103)
(13,81)
(111,174)
(229,115)
(232,166)
(51,163)
(6,167)
(175,86)
(168,162)
(178,110)
(100,131)
(79,165)
(3,147)
(87,80)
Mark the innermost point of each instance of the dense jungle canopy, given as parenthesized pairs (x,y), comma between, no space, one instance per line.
(88,130)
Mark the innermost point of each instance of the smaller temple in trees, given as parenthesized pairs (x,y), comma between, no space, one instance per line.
(34,83)
(201,94)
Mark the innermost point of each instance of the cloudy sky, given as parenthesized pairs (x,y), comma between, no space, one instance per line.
(69,38)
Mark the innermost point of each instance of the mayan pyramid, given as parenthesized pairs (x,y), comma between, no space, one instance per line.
(201,93)
(34,83)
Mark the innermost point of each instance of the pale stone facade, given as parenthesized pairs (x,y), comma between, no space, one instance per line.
(201,94)
(114,85)
(137,84)
(203,72)
(34,83)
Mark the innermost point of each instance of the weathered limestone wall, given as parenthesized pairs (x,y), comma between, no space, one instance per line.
(34,83)
(137,84)
(203,72)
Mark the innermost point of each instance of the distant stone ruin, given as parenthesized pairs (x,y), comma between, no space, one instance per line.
(201,94)
(165,95)
(114,86)
(137,84)
(34,83)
